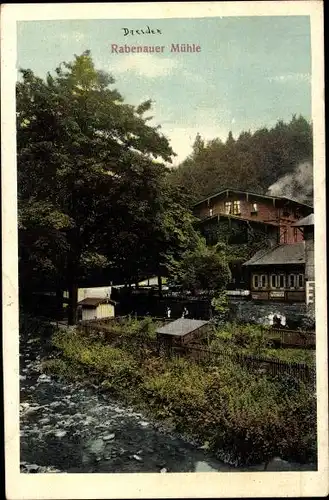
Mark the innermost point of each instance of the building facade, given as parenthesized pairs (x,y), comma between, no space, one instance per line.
(306,227)
(95,308)
(274,216)
(278,274)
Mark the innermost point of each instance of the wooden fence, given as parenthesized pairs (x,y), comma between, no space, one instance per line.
(256,364)
(291,338)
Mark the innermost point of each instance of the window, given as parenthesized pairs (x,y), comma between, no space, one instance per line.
(228,207)
(254,208)
(211,212)
(295,234)
(301,281)
(291,281)
(263,281)
(273,280)
(259,281)
(278,281)
(236,207)
(281,281)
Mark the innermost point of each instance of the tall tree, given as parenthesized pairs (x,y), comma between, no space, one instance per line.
(253,161)
(89,167)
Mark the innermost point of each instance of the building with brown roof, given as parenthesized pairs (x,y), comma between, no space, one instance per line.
(96,308)
(234,209)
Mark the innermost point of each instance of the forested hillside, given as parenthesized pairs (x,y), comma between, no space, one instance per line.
(277,161)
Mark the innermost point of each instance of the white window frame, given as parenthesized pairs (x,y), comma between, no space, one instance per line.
(273,287)
(228,207)
(303,280)
(294,279)
(277,281)
(265,280)
(236,207)
(254,208)
(253,280)
(284,281)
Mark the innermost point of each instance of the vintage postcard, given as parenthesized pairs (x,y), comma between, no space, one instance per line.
(164,250)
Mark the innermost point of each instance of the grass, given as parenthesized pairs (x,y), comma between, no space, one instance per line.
(256,341)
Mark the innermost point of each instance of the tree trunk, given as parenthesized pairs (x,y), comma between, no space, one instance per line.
(59,303)
(160,286)
(73,288)
(73,304)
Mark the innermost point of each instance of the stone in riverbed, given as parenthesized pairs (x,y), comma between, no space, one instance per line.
(60,433)
(45,420)
(32,409)
(32,467)
(55,404)
(136,457)
(44,378)
(108,437)
(96,446)
(163,470)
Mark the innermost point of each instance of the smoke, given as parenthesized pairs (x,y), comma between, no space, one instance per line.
(297,185)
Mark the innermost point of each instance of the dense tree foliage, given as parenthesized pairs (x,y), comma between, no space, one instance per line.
(254,161)
(203,269)
(92,188)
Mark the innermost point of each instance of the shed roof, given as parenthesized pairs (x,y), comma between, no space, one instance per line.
(92,302)
(293,253)
(181,327)
(306,221)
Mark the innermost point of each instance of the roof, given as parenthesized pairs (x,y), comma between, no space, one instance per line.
(265,196)
(181,327)
(94,302)
(293,253)
(306,221)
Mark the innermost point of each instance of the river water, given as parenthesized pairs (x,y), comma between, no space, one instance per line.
(66,427)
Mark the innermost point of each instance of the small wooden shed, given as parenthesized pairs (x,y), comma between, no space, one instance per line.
(180,332)
(96,308)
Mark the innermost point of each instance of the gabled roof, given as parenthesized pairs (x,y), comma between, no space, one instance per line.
(92,302)
(181,327)
(306,221)
(264,196)
(282,254)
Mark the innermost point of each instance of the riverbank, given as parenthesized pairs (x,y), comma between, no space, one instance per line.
(243,419)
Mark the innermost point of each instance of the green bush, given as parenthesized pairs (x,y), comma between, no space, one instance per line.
(119,368)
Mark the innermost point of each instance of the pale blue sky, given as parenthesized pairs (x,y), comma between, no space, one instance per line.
(251,71)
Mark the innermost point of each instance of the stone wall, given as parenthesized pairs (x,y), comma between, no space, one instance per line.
(248,311)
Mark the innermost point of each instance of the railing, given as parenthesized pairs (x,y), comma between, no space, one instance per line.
(256,364)
(291,338)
